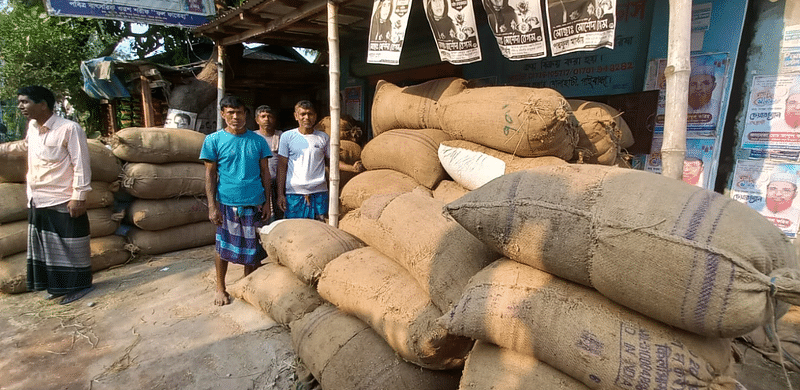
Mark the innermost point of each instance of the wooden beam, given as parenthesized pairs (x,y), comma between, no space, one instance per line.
(147,102)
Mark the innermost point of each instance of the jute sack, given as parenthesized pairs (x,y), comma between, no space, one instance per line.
(447,191)
(367,284)
(101,195)
(162,181)
(343,352)
(13,202)
(491,367)
(108,251)
(276,291)
(412,107)
(527,122)
(14,163)
(14,273)
(599,136)
(100,222)
(678,253)
(13,237)
(785,332)
(579,332)
(412,152)
(473,165)
(377,182)
(411,229)
(105,166)
(348,130)
(157,145)
(172,239)
(349,152)
(306,245)
(157,214)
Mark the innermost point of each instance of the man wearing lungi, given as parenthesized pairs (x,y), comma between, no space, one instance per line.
(57,183)
(237,177)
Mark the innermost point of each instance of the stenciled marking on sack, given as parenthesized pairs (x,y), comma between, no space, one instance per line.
(590,343)
(509,120)
(594,378)
(643,364)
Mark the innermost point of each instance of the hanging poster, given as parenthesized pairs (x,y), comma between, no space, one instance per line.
(187,13)
(770,189)
(179,119)
(698,163)
(387,31)
(517,26)
(453,25)
(706,91)
(580,25)
(773,114)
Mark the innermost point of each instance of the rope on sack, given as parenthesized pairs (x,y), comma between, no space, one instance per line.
(772,327)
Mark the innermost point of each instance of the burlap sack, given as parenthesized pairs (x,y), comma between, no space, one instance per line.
(473,165)
(343,352)
(377,182)
(491,367)
(13,202)
(13,237)
(447,191)
(100,222)
(101,195)
(786,332)
(527,122)
(162,181)
(412,107)
(367,284)
(105,166)
(349,152)
(599,136)
(276,291)
(675,252)
(172,239)
(157,145)
(14,273)
(348,130)
(108,251)
(412,152)
(14,163)
(411,229)
(157,214)
(306,246)
(579,332)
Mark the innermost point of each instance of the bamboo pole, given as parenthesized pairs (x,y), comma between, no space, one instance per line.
(673,149)
(335,107)
(220,81)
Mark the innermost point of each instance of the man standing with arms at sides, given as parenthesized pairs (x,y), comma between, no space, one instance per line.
(57,183)
(267,122)
(302,156)
(237,188)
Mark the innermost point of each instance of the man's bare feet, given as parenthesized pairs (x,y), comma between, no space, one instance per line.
(222,298)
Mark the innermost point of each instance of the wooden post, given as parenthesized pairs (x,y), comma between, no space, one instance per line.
(147,102)
(676,75)
(335,108)
(220,80)
(112,117)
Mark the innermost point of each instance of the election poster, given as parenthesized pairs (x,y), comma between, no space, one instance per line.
(773,114)
(387,31)
(518,28)
(698,162)
(581,25)
(186,13)
(453,26)
(179,119)
(771,189)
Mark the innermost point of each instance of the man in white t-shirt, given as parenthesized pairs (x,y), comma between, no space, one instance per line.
(267,121)
(302,155)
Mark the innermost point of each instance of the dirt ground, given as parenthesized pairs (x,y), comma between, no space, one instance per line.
(150,324)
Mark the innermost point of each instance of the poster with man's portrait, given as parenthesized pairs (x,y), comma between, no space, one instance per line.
(453,26)
(773,114)
(387,31)
(178,119)
(771,189)
(698,162)
(580,25)
(518,27)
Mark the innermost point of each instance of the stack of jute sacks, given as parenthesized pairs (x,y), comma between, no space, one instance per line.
(165,175)
(106,249)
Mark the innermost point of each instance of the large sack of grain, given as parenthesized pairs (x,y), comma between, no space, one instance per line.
(157,145)
(411,229)
(473,165)
(527,122)
(448,190)
(342,352)
(276,291)
(14,163)
(348,128)
(683,255)
(107,252)
(14,273)
(412,107)
(600,134)
(105,166)
(13,237)
(367,284)
(349,152)
(162,181)
(100,222)
(172,239)
(101,195)
(579,332)
(13,202)
(489,366)
(377,182)
(306,246)
(157,214)
(412,152)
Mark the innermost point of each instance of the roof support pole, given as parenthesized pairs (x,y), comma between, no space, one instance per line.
(676,75)
(220,81)
(335,108)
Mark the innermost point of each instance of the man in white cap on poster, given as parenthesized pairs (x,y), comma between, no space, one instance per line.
(693,167)
(781,191)
(703,104)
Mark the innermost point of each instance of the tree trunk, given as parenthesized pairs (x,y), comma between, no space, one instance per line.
(199,92)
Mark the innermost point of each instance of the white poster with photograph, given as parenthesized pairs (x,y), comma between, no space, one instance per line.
(580,25)
(387,31)
(518,27)
(698,163)
(771,189)
(773,114)
(453,26)
(178,119)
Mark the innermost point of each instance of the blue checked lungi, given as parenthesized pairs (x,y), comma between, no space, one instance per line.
(312,206)
(238,238)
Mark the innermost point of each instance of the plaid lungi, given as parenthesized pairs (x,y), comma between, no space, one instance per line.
(238,240)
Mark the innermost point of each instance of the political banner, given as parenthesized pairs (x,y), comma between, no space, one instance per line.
(453,26)
(185,13)
(581,25)
(771,189)
(773,114)
(698,162)
(517,25)
(387,31)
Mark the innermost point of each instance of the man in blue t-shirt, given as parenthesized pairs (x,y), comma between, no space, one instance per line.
(237,186)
